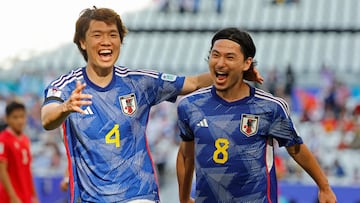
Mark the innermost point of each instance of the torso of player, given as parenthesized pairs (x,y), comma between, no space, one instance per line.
(18,150)
(114,124)
(107,144)
(232,135)
(109,122)
(232,144)
(109,139)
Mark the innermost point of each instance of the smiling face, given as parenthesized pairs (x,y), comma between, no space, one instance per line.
(102,45)
(227,64)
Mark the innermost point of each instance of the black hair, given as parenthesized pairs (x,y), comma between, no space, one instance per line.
(12,106)
(241,37)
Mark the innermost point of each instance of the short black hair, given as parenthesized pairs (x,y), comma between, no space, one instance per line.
(12,106)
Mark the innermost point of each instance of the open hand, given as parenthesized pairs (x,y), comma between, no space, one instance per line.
(77,99)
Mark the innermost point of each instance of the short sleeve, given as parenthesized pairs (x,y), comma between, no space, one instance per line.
(59,90)
(168,87)
(3,154)
(53,94)
(283,130)
(186,133)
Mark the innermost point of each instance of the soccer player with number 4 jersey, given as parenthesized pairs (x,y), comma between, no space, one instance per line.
(228,131)
(103,110)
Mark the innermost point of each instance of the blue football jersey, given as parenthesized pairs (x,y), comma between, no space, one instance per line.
(109,155)
(234,156)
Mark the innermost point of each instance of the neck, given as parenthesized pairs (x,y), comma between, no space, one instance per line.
(235,93)
(99,76)
(14,132)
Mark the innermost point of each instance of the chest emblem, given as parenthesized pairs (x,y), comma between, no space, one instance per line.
(128,104)
(16,145)
(249,124)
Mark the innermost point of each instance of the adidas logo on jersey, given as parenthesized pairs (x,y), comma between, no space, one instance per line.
(203,123)
(88,111)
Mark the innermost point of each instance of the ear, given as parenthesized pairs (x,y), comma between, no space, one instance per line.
(82,44)
(247,63)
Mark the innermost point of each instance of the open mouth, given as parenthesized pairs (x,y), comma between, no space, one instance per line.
(221,76)
(105,52)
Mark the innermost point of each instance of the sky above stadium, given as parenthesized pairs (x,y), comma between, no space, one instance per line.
(34,26)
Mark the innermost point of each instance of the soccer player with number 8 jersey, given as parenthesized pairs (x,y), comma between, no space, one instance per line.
(228,131)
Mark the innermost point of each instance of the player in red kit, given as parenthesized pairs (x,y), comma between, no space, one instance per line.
(16,181)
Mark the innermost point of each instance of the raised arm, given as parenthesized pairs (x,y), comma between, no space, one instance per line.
(54,114)
(185,170)
(302,155)
(193,83)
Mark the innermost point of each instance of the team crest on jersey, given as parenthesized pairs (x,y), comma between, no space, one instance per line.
(128,104)
(249,124)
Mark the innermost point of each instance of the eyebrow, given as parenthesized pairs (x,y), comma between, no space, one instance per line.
(227,54)
(113,30)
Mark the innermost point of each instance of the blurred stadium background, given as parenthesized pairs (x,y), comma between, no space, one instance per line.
(307,51)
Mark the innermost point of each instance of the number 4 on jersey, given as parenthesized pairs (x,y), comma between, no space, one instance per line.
(113,136)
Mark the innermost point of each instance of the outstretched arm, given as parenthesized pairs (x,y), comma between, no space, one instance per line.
(193,83)
(302,155)
(54,114)
(185,170)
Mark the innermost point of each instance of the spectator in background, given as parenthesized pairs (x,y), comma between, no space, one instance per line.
(16,180)
(196,6)
(189,5)
(289,81)
(328,77)
(327,89)
(164,5)
(272,80)
(355,141)
(338,169)
(342,95)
